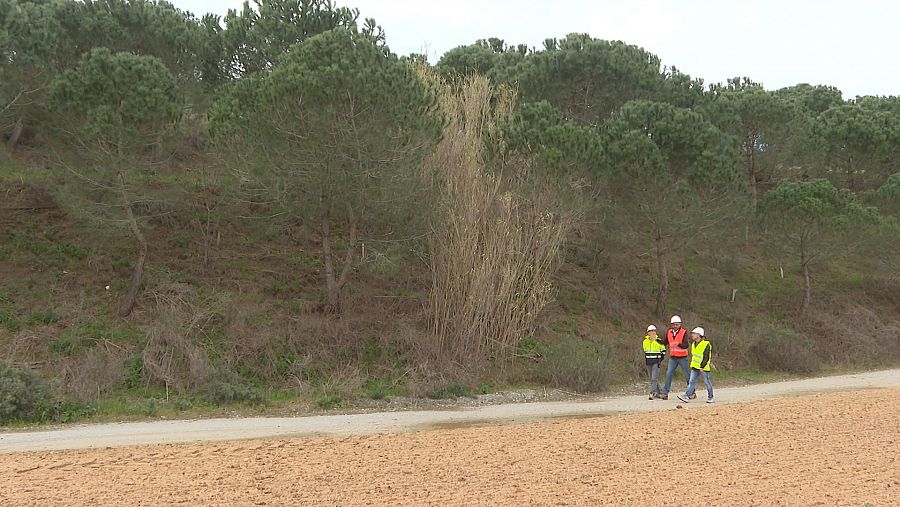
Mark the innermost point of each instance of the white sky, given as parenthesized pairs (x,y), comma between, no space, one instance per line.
(848,44)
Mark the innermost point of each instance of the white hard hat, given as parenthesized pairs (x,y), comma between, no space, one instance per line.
(675,320)
(699,330)
(651,327)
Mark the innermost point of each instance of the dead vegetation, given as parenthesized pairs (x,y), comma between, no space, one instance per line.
(174,355)
(494,251)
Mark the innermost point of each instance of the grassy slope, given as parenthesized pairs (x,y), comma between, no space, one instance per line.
(266,338)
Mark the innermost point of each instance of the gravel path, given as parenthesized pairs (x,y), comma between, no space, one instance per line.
(209,430)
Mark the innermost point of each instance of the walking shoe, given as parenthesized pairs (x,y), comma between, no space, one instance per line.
(663,396)
(694,396)
(711,400)
(651,396)
(684,398)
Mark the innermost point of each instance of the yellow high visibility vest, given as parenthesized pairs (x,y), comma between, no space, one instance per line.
(697,350)
(651,346)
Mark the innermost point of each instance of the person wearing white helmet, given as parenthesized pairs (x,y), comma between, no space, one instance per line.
(654,352)
(701,365)
(677,345)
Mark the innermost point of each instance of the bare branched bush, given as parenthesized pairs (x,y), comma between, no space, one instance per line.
(854,333)
(174,355)
(91,374)
(497,244)
(779,348)
(577,364)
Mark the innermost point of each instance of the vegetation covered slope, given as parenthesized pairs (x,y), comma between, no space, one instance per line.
(273,204)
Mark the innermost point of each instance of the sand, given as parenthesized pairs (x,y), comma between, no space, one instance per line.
(826,449)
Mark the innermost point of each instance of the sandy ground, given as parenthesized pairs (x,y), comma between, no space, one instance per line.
(837,448)
(166,432)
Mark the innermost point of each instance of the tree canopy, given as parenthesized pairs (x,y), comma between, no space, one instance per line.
(341,120)
(305,100)
(814,220)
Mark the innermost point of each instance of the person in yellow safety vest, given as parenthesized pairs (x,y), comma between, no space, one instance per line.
(654,352)
(701,364)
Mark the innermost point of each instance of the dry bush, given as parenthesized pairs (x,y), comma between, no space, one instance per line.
(888,339)
(26,347)
(782,349)
(173,355)
(495,251)
(91,374)
(82,377)
(578,364)
(850,333)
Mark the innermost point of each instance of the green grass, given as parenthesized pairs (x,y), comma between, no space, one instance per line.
(29,242)
(45,317)
(10,321)
(574,302)
(451,391)
(329,400)
(87,332)
(381,388)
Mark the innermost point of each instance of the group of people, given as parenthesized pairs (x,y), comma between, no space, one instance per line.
(691,352)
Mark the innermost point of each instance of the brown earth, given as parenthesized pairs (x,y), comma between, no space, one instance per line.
(826,449)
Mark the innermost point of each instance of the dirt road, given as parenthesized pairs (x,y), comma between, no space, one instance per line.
(839,448)
(166,432)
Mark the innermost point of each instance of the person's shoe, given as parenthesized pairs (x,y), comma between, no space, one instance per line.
(694,396)
(651,396)
(662,396)
(710,400)
(684,398)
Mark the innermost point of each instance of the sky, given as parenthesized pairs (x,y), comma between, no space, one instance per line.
(848,44)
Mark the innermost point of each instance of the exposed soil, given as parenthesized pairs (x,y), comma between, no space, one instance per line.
(839,448)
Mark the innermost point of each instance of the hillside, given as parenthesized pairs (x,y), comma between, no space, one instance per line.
(275,208)
(258,299)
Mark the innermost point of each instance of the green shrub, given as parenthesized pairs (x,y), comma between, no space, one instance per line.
(134,372)
(450,391)
(65,344)
(10,321)
(23,396)
(530,348)
(182,404)
(577,364)
(779,349)
(68,250)
(231,390)
(329,400)
(148,408)
(45,317)
(381,388)
(71,411)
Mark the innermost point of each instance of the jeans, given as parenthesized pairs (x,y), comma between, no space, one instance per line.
(653,373)
(692,383)
(675,362)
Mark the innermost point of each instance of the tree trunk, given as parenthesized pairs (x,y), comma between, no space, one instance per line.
(334,285)
(158,149)
(332,302)
(138,272)
(15,135)
(207,235)
(807,289)
(851,175)
(804,267)
(751,171)
(663,279)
